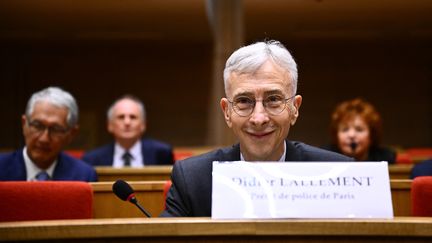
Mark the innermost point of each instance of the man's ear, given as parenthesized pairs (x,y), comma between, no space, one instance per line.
(23,120)
(109,126)
(295,109)
(74,131)
(23,123)
(226,111)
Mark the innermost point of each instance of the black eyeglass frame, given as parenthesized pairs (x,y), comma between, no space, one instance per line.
(39,128)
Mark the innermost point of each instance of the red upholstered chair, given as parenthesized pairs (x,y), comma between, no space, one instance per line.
(22,200)
(403,158)
(76,153)
(166,188)
(181,155)
(419,154)
(421,196)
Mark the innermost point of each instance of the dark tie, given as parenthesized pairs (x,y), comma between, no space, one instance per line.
(42,176)
(127,157)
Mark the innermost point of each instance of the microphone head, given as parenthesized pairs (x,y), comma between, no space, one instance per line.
(123,190)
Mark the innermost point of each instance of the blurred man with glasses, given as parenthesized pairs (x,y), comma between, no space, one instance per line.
(260,106)
(49,124)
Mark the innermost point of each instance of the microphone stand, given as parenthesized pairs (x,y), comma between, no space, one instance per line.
(135,201)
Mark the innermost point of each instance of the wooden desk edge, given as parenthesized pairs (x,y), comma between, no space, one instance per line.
(136,185)
(172,227)
(400,184)
(160,169)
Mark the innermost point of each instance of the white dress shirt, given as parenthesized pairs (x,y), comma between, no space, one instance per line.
(137,159)
(33,170)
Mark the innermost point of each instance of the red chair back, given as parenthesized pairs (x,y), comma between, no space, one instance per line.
(421,196)
(167,186)
(76,153)
(22,200)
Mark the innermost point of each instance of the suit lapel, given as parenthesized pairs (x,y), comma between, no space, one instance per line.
(19,168)
(109,156)
(60,169)
(147,152)
(231,153)
(292,154)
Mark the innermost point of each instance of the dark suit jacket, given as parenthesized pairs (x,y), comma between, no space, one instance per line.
(190,193)
(422,169)
(154,153)
(12,168)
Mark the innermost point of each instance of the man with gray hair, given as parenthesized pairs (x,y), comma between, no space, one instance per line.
(49,124)
(126,121)
(260,106)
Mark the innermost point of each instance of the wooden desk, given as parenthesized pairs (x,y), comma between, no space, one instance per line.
(400,229)
(401,197)
(148,173)
(400,171)
(107,205)
(150,195)
(160,173)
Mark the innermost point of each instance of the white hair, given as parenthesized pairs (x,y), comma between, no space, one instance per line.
(250,58)
(58,97)
(133,98)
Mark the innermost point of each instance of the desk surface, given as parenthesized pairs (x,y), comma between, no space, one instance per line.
(400,171)
(160,173)
(148,173)
(186,229)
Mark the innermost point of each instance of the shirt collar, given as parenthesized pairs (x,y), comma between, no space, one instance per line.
(33,170)
(135,151)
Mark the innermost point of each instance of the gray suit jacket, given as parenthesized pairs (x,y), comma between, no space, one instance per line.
(190,193)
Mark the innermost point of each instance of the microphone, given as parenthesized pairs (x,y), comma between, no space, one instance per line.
(125,192)
(353,146)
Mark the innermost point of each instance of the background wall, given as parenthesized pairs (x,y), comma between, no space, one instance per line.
(171,79)
(394,76)
(163,54)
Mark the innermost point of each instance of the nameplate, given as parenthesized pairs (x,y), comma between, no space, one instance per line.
(301,190)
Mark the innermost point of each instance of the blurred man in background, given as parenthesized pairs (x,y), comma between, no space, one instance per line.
(49,124)
(127,123)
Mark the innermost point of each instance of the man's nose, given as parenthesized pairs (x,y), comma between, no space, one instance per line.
(127,120)
(259,115)
(45,135)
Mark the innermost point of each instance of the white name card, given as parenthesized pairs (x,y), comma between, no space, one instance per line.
(301,190)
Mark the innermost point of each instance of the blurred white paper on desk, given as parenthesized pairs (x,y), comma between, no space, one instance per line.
(301,190)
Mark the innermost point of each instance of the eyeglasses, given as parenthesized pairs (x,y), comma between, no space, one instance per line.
(38,128)
(273,104)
